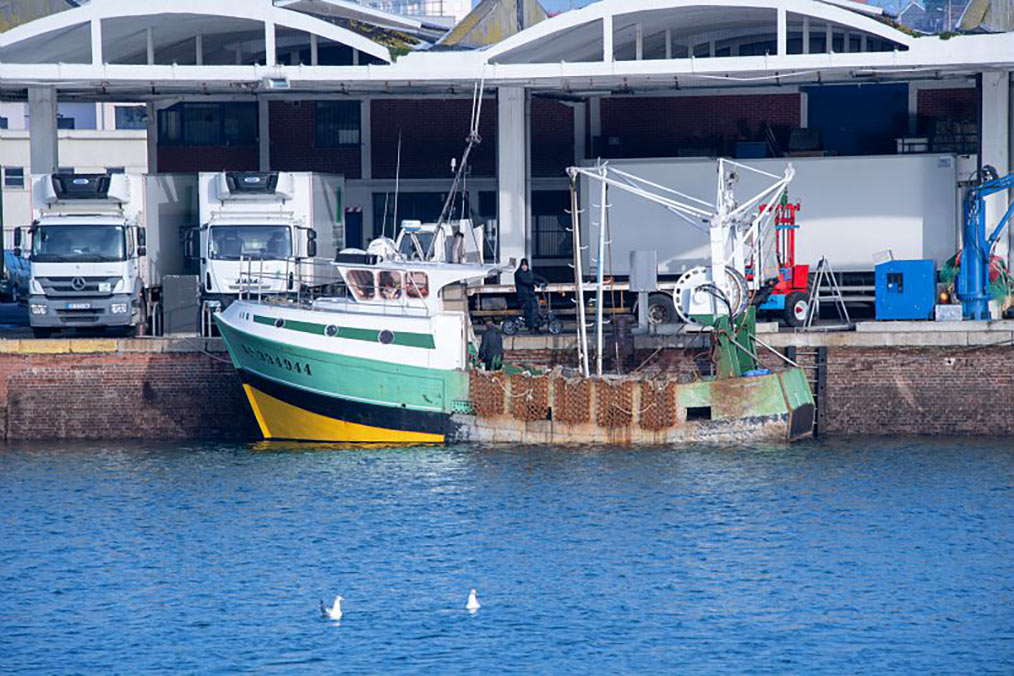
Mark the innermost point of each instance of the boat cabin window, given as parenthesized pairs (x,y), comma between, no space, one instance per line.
(390,285)
(362,285)
(417,285)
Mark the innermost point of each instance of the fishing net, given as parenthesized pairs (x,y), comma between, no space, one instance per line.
(572,400)
(1001,285)
(615,403)
(658,405)
(529,397)
(486,392)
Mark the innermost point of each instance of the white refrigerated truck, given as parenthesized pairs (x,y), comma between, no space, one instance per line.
(267,233)
(100,246)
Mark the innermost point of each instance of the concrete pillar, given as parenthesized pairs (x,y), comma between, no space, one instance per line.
(43,139)
(639,42)
(149,39)
(269,43)
(580,133)
(607,38)
(366,141)
(995,146)
(96,27)
(152,138)
(199,49)
(668,43)
(263,134)
(806,35)
(313,49)
(783,31)
(511,172)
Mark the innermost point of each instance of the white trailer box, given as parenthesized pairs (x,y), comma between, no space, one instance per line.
(852,208)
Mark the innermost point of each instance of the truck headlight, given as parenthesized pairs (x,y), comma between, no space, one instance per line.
(119,308)
(38,309)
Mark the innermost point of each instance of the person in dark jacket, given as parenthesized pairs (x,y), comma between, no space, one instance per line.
(525,281)
(491,348)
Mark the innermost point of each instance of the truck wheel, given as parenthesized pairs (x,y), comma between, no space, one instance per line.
(554,326)
(42,333)
(509,327)
(661,309)
(797,304)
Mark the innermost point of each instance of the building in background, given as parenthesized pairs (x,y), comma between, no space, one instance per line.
(450,10)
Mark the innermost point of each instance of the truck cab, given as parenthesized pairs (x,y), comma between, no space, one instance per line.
(86,244)
(259,232)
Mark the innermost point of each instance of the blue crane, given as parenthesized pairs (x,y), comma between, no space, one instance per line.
(973,278)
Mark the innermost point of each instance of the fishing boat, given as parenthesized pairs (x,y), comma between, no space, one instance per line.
(392,360)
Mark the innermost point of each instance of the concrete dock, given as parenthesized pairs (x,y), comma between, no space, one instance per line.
(884,378)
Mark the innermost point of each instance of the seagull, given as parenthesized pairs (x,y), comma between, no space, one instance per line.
(335,611)
(473,603)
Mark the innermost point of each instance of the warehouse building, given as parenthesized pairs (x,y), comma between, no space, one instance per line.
(385,100)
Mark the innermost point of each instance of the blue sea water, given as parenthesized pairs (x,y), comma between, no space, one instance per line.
(846,556)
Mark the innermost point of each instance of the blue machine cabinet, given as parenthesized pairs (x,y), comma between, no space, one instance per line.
(906,289)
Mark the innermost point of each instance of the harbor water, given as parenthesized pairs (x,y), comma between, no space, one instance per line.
(844,556)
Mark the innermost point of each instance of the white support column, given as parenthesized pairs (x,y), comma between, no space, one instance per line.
(149,38)
(580,133)
(913,108)
(711,49)
(668,43)
(96,26)
(639,42)
(996,146)
(829,38)
(152,138)
(355,57)
(804,110)
(313,50)
(263,134)
(511,172)
(43,139)
(366,141)
(862,42)
(806,35)
(607,38)
(595,118)
(846,42)
(269,43)
(783,32)
(199,49)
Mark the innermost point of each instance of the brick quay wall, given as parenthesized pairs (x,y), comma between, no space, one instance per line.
(887,383)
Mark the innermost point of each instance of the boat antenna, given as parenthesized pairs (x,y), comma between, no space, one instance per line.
(473,140)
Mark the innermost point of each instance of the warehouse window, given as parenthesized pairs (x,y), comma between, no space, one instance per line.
(64,122)
(3,122)
(551,223)
(338,123)
(14,177)
(208,124)
(131,117)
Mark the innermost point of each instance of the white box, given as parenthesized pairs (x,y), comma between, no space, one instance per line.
(948,313)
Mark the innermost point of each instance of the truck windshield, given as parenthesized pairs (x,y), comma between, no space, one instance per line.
(230,242)
(78,243)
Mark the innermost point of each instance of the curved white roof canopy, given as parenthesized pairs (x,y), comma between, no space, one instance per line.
(116,31)
(650,29)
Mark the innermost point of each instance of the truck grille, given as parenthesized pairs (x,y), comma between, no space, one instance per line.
(80,316)
(86,286)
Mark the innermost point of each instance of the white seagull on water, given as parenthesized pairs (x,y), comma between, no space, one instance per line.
(473,603)
(335,611)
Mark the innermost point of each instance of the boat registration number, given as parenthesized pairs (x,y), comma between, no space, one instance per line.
(293,365)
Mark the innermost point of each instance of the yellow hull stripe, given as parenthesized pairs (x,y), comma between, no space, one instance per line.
(280,420)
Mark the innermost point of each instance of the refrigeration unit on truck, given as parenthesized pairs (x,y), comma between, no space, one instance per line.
(267,233)
(100,245)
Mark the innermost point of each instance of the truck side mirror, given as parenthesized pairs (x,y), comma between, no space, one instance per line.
(311,243)
(17,242)
(142,241)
